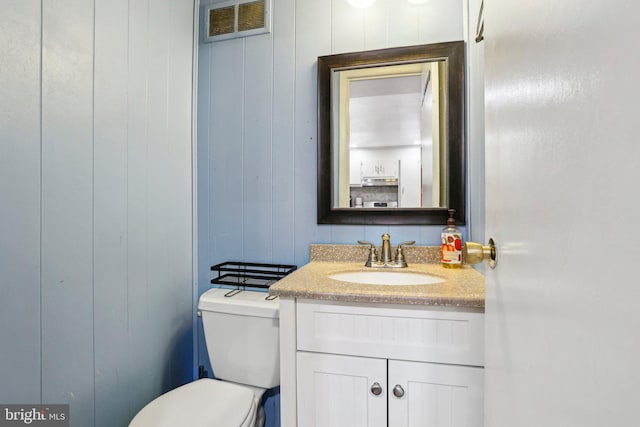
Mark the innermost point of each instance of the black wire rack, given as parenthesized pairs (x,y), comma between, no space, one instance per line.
(250,274)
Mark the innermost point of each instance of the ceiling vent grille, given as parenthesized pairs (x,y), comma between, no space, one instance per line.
(237,18)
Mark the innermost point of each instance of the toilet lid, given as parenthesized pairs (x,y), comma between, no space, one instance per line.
(202,403)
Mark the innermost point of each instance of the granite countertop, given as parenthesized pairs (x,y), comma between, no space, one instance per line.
(462,287)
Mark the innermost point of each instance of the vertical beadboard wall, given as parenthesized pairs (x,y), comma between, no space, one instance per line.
(257,125)
(96,205)
(20,184)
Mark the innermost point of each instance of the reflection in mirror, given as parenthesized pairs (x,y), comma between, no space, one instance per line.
(387,139)
(391,135)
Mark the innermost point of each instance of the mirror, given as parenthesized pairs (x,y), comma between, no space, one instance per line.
(391,136)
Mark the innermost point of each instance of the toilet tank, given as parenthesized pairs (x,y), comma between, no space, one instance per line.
(242,336)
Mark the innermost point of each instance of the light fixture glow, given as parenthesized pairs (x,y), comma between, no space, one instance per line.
(417,1)
(361,3)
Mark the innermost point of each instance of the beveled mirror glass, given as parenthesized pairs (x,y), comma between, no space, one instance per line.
(391,135)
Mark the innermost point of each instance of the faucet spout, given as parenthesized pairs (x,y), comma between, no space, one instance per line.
(385,257)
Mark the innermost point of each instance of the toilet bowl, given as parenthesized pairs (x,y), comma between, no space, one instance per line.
(205,402)
(242,336)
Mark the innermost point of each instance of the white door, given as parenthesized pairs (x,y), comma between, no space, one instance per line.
(434,395)
(341,391)
(562,183)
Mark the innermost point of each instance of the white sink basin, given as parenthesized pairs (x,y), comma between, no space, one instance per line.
(378,277)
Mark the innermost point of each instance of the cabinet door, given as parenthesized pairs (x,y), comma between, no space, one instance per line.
(380,166)
(434,395)
(339,391)
(355,170)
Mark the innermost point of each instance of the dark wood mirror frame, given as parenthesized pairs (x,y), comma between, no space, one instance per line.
(453,54)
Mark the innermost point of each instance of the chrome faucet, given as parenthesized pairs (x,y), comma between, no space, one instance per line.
(385,257)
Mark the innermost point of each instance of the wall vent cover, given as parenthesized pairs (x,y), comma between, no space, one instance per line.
(237,18)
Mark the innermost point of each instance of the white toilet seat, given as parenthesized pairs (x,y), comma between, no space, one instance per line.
(202,403)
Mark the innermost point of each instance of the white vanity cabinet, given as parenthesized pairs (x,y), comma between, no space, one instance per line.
(380,365)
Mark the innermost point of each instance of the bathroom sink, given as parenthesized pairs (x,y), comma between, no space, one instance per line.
(377,277)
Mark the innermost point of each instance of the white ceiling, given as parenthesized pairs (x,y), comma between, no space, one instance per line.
(385,111)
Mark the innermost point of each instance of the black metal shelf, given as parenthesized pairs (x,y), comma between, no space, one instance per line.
(250,274)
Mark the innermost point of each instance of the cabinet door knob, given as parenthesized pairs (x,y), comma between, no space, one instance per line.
(398,391)
(376,389)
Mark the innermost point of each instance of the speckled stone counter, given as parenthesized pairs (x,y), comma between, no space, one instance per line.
(462,287)
(358,253)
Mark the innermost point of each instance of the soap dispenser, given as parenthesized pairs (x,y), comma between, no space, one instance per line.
(451,255)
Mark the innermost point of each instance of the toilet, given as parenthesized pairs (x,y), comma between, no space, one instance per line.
(242,335)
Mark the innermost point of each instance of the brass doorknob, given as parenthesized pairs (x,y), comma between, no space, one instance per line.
(475,253)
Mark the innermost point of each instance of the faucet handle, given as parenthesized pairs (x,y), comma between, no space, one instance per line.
(399,260)
(372,259)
